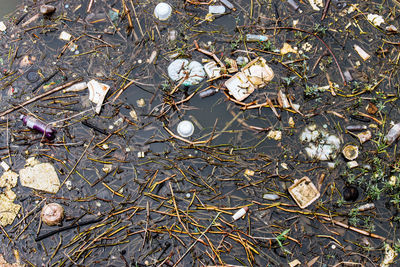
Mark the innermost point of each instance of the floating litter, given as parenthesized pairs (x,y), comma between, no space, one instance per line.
(185,128)
(163,11)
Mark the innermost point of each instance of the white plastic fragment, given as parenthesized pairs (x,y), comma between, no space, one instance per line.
(364,136)
(240,213)
(152,57)
(275,135)
(185,128)
(390,255)
(227,4)
(216,9)
(393,134)
(255,74)
(283,100)
(2,26)
(368,206)
(239,86)
(181,68)
(391,28)
(42,177)
(162,11)
(316,4)
(4,165)
(97,93)
(65,36)
(364,55)
(212,69)
(304,192)
(76,87)
(322,145)
(271,197)
(140,103)
(9,179)
(256,38)
(352,164)
(287,48)
(294,263)
(375,19)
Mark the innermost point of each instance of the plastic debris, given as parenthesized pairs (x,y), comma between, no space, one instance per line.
(364,55)
(162,11)
(271,197)
(294,263)
(322,145)
(212,70)
(364,136)
(242,61)
(52,214)
(41,176)
(287,48)
(76,87)
(375,19)
(193,72)
(8,210)
(256,38)
(38,125)
(304,192)
(4,165)
(390,255)
(350,152)
(249,172)
(275,135)
(2,26)
(97,93)
(47,9)
(316,4)
(65,36)
(393,134)
(4,263)
(185,128)
(208,92)
(391,28)
(352,164)
(294,5)
(240,213)
(9,179)
(216,9)
(227,4)
(368,206)
(255,74)
(356,127)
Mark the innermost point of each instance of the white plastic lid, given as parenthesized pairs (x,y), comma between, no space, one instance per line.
(185,128)
(163,11)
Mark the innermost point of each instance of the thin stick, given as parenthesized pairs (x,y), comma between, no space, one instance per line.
(195,242)
(76,164)
(54,90)
(319,38)
(360,231)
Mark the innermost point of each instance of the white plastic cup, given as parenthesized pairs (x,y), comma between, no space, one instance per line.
(162,11)
(185,128)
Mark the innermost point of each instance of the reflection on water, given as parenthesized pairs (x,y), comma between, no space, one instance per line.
(8,6)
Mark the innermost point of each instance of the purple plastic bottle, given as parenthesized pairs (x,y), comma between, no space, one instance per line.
(38,125)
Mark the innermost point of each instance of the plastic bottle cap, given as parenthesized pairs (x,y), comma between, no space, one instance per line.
(163,11)
(185,128)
